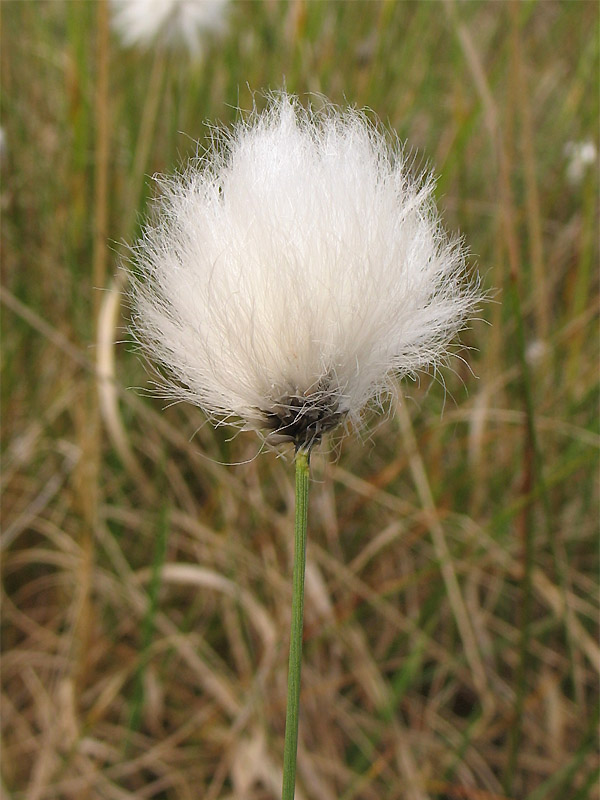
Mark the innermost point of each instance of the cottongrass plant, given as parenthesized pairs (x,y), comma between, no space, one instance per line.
(293,272)
(167,23)
(581,156)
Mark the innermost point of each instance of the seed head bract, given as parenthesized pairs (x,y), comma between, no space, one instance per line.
(294,271)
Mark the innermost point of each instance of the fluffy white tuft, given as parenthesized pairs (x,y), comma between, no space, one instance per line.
(580,157)
(295,271)
(167,23)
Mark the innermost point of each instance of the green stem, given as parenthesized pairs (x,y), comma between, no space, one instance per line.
(290,747)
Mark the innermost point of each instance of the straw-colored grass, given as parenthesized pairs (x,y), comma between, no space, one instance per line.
(450,647)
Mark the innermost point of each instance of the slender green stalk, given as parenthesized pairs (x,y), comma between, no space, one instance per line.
(295,663)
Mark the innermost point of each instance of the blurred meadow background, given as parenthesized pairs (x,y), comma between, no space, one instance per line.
(451,644)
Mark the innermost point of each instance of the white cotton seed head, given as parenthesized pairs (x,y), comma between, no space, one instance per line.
(295,271)
(580,157)
(167,23)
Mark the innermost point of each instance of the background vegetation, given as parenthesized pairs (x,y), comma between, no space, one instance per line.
(452,596)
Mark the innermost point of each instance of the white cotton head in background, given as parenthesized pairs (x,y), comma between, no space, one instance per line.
(167,23)
(581,156)
(294,271)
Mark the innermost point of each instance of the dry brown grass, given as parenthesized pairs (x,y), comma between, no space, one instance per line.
(451,645)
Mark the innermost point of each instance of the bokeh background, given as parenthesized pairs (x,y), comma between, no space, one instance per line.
(451,648)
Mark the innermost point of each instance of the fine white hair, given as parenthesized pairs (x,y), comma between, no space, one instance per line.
(295,270)
(167,23)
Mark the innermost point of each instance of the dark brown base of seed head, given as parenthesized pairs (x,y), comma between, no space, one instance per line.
(302,419)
